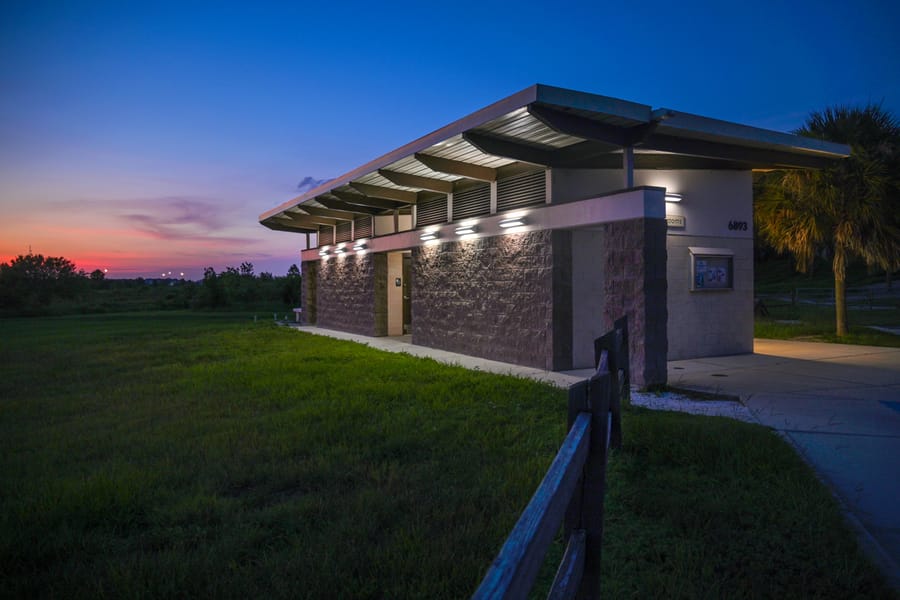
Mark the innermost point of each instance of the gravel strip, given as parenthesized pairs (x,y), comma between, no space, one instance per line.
(679,403)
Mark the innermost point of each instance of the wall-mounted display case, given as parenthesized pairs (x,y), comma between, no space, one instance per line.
(711,269)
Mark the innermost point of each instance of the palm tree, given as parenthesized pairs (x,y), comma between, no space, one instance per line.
(849,209)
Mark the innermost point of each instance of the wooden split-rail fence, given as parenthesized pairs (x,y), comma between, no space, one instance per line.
(572,490)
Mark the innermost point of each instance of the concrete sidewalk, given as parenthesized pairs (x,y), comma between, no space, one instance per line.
(840,406)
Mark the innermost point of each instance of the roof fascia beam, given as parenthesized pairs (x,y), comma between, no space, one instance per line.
(508,148)
(417,181)
(743,154)
(457,167)
(385,193)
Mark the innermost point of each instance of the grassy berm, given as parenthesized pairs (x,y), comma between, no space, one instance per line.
(175,454)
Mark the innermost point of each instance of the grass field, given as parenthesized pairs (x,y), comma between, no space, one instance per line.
(176,454)
(816,324)
(776,278)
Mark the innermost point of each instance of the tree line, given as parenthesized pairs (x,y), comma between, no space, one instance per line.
(33,284)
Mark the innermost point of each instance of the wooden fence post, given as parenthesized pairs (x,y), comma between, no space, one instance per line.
(578,473)
(594,485)
(611,354)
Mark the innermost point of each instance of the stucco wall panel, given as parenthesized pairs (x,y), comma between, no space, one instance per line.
(710,323)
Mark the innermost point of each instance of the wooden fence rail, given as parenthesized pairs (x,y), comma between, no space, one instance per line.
(572,491)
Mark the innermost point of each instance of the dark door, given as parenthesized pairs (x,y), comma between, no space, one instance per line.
(407,308)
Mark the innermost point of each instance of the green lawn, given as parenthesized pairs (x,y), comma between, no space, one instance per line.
(176,454)
(774,281)
(816,324)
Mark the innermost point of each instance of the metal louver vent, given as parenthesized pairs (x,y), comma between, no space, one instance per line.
(522,190)
(344,231)
(431,212)
(362,227)
(326,235)
(473,202)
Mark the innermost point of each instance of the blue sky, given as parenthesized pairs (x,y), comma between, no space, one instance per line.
(148,136)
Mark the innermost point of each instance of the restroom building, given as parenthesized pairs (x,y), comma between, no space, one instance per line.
(519,233)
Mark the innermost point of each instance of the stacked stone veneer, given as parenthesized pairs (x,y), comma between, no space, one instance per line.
(309,275)
(635,286)
(508,297)
(348,293)
(505,298)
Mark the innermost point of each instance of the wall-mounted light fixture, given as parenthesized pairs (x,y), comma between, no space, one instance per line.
(428,236)
(670,197)
(359,246)
(323,252)
(466,230)
(513,222)
(340,250)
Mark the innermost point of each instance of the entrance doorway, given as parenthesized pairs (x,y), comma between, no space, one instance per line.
(399,293)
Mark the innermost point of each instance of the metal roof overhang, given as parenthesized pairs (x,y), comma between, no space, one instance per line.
(546,126)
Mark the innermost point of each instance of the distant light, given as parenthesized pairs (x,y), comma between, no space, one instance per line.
(182,274)
(106,270)
(515,222)
(673,197)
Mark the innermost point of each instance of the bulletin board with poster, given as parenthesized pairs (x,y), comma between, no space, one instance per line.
(712,269)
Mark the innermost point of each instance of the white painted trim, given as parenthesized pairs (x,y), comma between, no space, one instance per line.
(711,251)
(639,203)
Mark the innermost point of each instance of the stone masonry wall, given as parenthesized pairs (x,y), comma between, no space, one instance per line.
(350,293)
(490,297)
(308,277)
(635,286)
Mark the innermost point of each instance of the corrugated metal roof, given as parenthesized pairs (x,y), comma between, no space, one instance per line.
(509,120)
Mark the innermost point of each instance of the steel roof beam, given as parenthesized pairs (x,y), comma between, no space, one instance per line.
(457,167)
(576,126)
(417,181)
(346,206)
(509,148)
(306,220)
(325,212)
(277,226)
(361,200)
(385,193)
(578,154)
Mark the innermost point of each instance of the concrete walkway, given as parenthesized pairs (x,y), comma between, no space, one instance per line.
(840,406)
